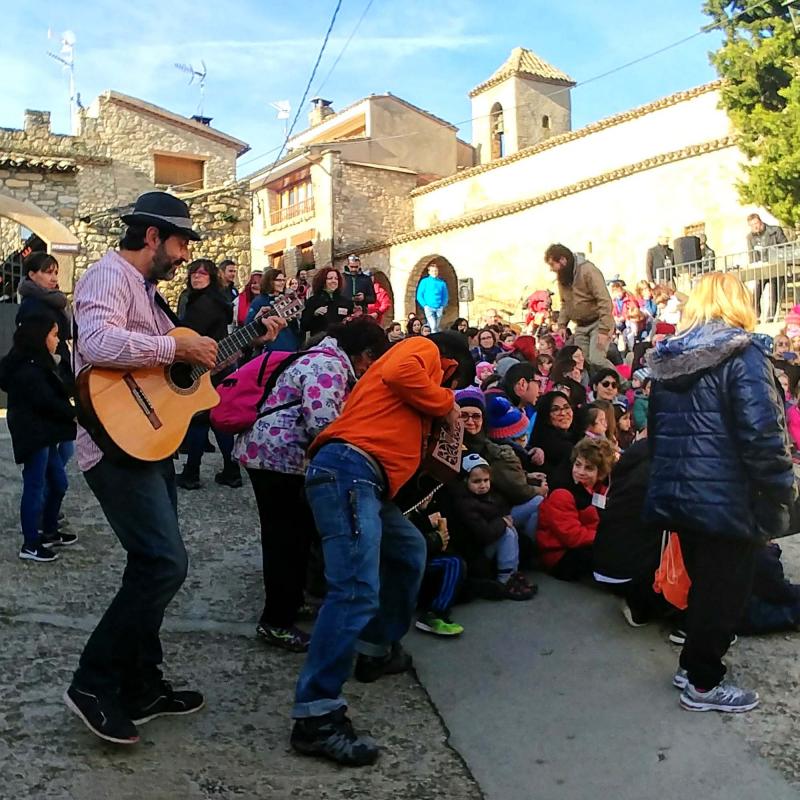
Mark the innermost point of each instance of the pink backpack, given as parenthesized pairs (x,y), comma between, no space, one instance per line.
(244,391)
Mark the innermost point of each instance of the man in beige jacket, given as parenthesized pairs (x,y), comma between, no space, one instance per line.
(585,301)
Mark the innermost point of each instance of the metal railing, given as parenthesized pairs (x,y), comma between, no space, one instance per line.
(771,273)
(290,212)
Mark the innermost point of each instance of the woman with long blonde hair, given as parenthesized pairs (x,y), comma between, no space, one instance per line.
(721,472)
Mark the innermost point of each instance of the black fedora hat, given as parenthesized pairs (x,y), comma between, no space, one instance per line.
(164,211)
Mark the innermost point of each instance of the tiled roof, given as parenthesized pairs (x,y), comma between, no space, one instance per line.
(528,65)
(586,130)
(505,209)
(32,161)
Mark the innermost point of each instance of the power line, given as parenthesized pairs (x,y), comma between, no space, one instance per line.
(346,44)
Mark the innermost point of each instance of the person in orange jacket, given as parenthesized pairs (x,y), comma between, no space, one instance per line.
(374,557)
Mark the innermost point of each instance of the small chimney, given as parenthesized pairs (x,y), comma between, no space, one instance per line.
(202,120)
(320,111)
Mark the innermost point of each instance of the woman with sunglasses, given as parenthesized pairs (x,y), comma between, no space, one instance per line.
(273,285)
(606,384)
(553,433)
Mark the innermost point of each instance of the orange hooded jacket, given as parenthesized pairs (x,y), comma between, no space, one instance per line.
(390,410)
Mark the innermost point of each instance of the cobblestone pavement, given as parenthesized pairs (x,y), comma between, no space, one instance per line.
(235,748)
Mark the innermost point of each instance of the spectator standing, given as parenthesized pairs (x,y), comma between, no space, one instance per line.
(356,285)
(708,258)
(40,418)
(432,295)
(585,300)
(660,262)
(377,310)
(228,274)
(721,472)
(327,305)
(250,291)
(761,242)
(273,286)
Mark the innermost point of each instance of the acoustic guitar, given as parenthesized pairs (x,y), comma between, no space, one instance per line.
(145,413)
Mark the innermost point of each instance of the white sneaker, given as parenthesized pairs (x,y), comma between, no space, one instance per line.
(628,614)
(723,697)
(680,680)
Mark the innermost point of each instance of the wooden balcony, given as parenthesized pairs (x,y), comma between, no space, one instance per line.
(300,209)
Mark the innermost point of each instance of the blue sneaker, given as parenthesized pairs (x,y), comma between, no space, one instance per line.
(723,697)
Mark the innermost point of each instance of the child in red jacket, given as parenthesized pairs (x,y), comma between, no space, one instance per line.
(568,518)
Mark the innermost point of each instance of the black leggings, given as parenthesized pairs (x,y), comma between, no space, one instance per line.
(287,528)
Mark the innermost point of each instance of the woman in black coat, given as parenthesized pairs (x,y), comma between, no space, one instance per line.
(40,417)
(721,472)
(552,432)
(208,312)
(326,306)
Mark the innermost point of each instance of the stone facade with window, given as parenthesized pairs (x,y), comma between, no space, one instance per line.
(72,188)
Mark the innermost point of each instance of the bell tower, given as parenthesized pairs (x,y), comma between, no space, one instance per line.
(523,103)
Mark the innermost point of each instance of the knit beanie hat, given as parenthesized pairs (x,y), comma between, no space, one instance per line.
(793,322)
(472,461)
(642,374)
(471,396)
(504,364)
(503,420)
(665,328)
(483,365)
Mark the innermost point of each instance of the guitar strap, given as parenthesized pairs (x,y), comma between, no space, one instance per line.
(164,306)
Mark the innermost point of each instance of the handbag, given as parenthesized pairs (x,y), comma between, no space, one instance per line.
(671,578)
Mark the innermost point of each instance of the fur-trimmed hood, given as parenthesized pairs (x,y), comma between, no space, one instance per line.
(681,360)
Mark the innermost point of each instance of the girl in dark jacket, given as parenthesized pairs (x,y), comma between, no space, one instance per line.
(208,312)
(273,285)
(40,417)
(721,472)
(326,306)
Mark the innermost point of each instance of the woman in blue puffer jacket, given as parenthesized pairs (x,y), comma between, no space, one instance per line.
(721,472)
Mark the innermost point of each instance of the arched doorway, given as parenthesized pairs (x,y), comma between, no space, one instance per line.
(382,280)
(447,273)
(58,239)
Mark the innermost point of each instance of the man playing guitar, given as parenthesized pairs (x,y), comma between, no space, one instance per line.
(122,322)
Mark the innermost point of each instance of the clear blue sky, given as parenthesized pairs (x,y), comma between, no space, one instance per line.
(258,51)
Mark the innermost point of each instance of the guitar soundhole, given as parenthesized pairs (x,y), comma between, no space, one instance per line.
(180,375)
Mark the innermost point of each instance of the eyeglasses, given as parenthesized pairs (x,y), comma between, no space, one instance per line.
(466,416)
(560,409)
(609,384)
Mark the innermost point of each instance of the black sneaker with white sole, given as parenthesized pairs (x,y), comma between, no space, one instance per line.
(164,702)
(332,736)
(60,539)
(37,552)
(103,716)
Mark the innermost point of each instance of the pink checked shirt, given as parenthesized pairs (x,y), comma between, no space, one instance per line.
(119,325)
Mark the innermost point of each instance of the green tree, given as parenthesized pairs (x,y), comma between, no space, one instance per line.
(759,61)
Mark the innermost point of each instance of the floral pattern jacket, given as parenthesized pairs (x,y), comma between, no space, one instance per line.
(316,384)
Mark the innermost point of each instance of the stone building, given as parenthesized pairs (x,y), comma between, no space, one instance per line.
(68,190)
(487,212)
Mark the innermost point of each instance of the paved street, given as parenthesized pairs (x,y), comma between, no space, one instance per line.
(551,699)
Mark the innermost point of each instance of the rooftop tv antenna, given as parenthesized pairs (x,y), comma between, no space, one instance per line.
(66,57)
(284,109)
(200,76)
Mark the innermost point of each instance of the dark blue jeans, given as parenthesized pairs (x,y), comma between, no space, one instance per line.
(374,563)
(196,438)
(44,484)
(124,653)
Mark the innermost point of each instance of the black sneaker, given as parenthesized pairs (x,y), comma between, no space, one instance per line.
(166,702)
(292,639)
(332,736)
(103,717)
(188,479)
(60,539)
(370,668)
(37,552)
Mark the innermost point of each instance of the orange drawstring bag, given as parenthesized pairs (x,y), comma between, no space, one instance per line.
(671,579)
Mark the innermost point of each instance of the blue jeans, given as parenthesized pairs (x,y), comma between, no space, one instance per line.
(44,484)
(506,549)
(434,317)
(374,563)
(124,653)
(526,517)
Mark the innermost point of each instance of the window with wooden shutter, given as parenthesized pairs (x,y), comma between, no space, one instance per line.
(185,174)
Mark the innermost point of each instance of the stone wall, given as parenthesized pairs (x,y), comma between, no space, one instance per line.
(370,204)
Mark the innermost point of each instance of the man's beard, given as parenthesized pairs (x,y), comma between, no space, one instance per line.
(164,267)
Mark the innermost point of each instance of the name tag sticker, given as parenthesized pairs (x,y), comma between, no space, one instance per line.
(342,312)
(599,500)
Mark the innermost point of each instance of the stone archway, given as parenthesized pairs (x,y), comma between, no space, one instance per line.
(447,273)
(60,241)
(382,280)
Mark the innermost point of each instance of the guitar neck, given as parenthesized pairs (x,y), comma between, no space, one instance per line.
(231,346)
